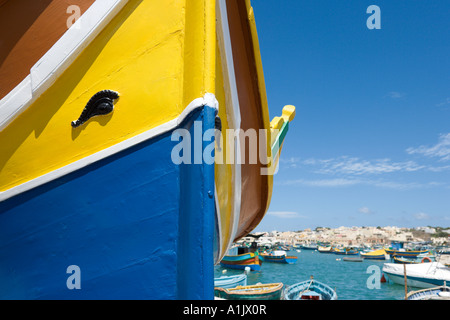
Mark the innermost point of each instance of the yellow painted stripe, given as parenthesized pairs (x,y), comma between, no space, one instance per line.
(223,169)
(146,55)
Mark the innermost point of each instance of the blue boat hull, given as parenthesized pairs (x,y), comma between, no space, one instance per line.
(417,282)
(136,225)
(253,267)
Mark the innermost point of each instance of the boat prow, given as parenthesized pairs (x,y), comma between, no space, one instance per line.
(115,160)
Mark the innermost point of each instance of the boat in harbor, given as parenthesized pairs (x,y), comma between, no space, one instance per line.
(379,254)
(251,260)
(420,275)
(405,253)
(310,290)
(403,260)
(271,291)
(434,293)
(353,259)
(346,251)
(231,281)
(327,249)
(278,256)
(116,172)
(309,246)
(412,260)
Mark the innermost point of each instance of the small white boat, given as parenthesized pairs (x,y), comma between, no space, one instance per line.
(230,281)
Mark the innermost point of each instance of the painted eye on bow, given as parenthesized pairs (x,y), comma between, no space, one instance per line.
(101,103)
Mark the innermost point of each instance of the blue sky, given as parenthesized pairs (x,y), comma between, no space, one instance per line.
(370,144)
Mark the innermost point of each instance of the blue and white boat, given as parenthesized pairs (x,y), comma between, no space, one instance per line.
(435,293)
(231,281)
(310,290)
(309,246)
(421,275)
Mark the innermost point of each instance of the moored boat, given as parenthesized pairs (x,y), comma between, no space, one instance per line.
(374,255)
(271,291)
(97,176)
(279,257)
(434,293)
(405,253)
(327,249)
(310,290)
(231,281)
(346,251)
(403,260)
(420,275)
(241,261)
(309,246)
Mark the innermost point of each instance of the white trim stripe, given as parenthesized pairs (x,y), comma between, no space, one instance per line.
(208,100)
(231,91)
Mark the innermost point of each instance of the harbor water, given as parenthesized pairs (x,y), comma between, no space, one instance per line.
(351,280)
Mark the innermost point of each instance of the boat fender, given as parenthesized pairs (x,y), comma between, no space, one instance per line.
(426,259)
(383,279)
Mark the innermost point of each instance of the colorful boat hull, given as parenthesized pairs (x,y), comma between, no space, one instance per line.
(241,261)
(405,254)
(374,255)
(113,166)
(82,220)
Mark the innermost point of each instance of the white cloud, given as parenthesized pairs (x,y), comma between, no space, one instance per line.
(440,150)
(337,183)
(365,210)
(289,162)
(285,214)
(356,166)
